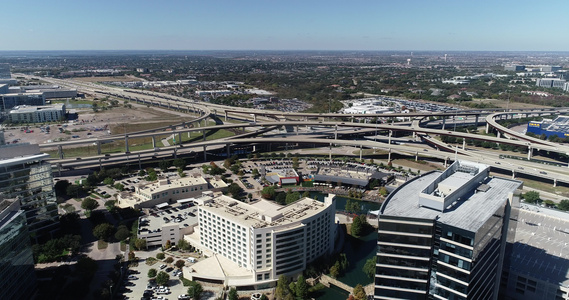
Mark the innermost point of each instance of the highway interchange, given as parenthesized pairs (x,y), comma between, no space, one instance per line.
(319,129)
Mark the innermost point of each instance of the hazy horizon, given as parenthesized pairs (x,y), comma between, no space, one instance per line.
(437,25)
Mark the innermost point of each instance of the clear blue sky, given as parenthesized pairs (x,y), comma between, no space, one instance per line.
(504,25)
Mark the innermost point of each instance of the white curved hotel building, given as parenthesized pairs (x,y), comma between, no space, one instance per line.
(262,240)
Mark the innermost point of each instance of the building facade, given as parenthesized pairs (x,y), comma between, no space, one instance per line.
(264,238)
(548,127)
(448,240)
(26,176)
(17,277)
(169,191)
(37,114)
(9,101)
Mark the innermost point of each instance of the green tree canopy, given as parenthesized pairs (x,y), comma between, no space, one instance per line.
(89,203)
(195,290)
(532,197)
(563,205)
(122,233)
(103,231)
(301,288)
(369,267)
(268,192)
(233,294)
(152,273)
(162,278)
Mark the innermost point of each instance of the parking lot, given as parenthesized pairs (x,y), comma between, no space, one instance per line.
(134,288)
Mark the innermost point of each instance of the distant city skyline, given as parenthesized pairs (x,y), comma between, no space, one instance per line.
(437,25)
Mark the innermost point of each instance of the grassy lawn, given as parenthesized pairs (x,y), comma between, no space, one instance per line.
(102,245)
(83,101)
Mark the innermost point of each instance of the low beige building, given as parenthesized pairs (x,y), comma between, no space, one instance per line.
(169,191)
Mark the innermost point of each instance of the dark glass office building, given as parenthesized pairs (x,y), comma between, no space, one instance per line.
(443,235)
(26,176)
(17,277)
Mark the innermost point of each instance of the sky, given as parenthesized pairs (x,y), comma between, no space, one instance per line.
(481,25)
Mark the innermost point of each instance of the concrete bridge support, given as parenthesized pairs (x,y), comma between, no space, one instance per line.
(225,116)
(255,118)
(203,133)
(463,144)
(513,174)
(179,138)
(361,152)
(204,153)
(416,156)
(330,153)
(487,128)
(228,146)
(60,151)
(476,121)
(444,122)
(126,143)
(153,142)
(336,132)
(389,137)
(98,147)
(446,161)
(554,182)
(389,156)
(530,152)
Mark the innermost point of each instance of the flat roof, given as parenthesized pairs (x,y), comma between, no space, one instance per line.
(166,184)
(470,213)
(155,223)
(540,248)
(263,213)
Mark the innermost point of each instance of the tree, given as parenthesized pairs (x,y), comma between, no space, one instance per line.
(292,197)
(195,290)
(108,181)
(162,278)
(233,294)
(264,297)
(179,163)
(235,190)
(301,288)
(60,188)
(73,190)
(160,255)
(180,264)
(369,267)
(122,233)
(110,204)
(152,273)
(168,244)
(359,226)
(268,192)
(306,194)
(532,197)
(103,231)
(89,204)
(383,191)
(183,244)
(169,260)
(282,288)
(563,205)
(281,198)
(255,172)
(164,165)
(335,270)
(295,163)
(359,292)
(140,244)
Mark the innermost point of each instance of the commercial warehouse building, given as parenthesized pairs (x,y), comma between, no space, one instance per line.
(558,127)
(443,235)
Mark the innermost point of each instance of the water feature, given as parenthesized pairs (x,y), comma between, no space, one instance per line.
(357,250)
(365,206)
